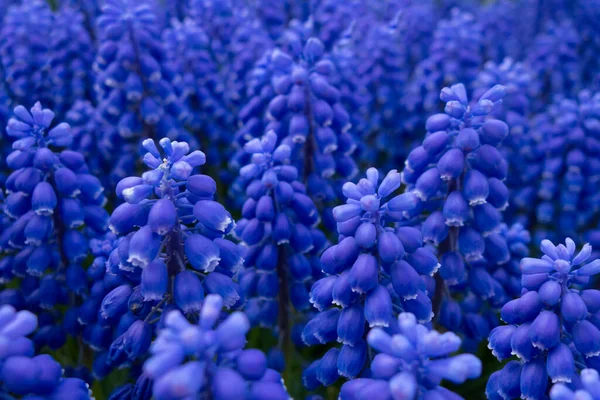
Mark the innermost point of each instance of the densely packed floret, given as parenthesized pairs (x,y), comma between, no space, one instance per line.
(552,329)
(278,226)
(26,375)
(457,176)
(171,250)
(411,363)
(134,85)
(374,272)
(208,359)
(53,207)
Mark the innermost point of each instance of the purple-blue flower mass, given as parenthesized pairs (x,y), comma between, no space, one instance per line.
(299,199)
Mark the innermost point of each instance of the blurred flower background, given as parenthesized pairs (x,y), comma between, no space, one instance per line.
(307,199)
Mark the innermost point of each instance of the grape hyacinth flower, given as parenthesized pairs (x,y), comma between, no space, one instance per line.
(173,248)
(374,272)
(455,55)
(553,327)
(134,85)
(84,125)
(411,363)
(278,226)
(590,388)
(330,18)
(457,175)
(70,64)
(26,375)
(55,206)
(384,70)
(554,60)
(200,87)
(25,51)
(306,114)
(208,359)
(560,200)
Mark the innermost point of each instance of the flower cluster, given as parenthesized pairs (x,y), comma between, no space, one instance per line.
(172,249)
(552,327)
(26,27)
(457,175)
(455,55)
(54,205)
(554,60)
(564,167)
(278,227)
(411,364)
(375,271)
(24,374)
(149,289)
(191,360)
(306,114)
(200,86)
(134,84)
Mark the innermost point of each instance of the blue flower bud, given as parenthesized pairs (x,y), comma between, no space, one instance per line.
(202,253)
(591,298)
(471,244)
(364,274)
(188,292)
(451,164)
(321,292)
(494,131)
(428,184)
(345,212)
(403,202)
(114,303)
(38,229)
(378,307)
(222,285)
(499,341)
(252,364)
(202,186)
(155,280)
(162,217)
(456,209)
(366,235)
(434,228)
(351,359)
(406,281)
(467,140)
(452,268)
(126,216)
(436,142)
(389,247)
(420,306)
(521,310)
(213,215)
(487,218)
(302,240)
(521,344)
(253,232)
(143,247)
(586,338)
(560,364)
(534,380)
(572,307)
(43,199)
(322,328)
(437,122)
(327,371)
(423,261)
